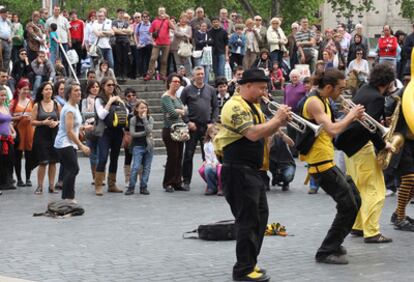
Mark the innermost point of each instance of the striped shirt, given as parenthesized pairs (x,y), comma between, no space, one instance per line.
(301,36)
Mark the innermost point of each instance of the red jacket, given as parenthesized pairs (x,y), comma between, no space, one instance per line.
(163,31)
(387,46)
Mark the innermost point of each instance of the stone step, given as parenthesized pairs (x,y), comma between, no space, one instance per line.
(140,81)
(152,102)
(150,94)
(140,88)
(158,124)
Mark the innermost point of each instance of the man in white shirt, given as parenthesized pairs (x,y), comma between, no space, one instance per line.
(5,38)
(102,28)
(63,32)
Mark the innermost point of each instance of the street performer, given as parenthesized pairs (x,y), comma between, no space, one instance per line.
(320,156)
(359,144)
(402,163)
(242,145)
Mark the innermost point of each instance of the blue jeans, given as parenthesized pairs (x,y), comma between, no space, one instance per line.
(219,61)
(54,54)
(210,173)
(110,141)
(282,172)
(140,156)
(197,62)
(108,56)
(314,183)
(36,84)
(276,56)
(93,156)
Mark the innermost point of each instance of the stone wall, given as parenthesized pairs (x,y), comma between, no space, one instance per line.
(388,13)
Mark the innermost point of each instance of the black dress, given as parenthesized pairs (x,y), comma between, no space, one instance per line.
(44,138)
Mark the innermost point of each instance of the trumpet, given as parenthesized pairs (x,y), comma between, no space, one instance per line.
(298,123)
(370,123)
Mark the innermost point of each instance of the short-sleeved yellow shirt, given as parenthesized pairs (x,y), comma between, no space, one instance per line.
(236,117)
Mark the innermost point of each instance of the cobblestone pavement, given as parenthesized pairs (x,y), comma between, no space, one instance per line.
(139,238)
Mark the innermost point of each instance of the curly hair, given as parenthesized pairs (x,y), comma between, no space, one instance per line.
(382,75)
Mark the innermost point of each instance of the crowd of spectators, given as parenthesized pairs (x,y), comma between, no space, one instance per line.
(211,51)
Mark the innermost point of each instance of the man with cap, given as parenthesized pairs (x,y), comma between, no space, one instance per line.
(242,146)
(5,38)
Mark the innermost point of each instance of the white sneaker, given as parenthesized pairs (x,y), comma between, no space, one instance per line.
(389,193)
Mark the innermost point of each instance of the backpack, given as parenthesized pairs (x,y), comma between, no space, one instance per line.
(62,208)
(219,231)
(117,116)
(305,140)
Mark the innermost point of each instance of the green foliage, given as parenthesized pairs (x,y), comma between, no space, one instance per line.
(347,8)
(23,8)
(289,10)
(407,8)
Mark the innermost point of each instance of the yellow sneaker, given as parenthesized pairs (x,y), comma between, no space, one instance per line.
(259,269)
(253,276)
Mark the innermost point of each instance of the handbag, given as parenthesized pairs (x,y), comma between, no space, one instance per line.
(197,54)
(185,49)
(207,57)
(179,132)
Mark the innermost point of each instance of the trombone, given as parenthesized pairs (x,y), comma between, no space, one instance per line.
(298,123)
(370,123)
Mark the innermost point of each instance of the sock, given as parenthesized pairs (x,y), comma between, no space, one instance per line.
(405,193)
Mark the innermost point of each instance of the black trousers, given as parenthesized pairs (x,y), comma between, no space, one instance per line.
(122,58)
(172,174)
(6,168)
(128,157)
(345,193)
(134,62)
(190,147)
(69,162)
(245,192)
(77,46)
(18,156)
(144,57)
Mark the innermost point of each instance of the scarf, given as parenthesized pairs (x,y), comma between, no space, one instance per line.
(6,141)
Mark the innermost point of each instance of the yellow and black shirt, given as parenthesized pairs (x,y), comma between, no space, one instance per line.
(322,149)
(237,116)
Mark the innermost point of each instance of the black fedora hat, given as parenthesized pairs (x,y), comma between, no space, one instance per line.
(253,75)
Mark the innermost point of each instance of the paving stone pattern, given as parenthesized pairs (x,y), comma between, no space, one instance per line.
(139,238)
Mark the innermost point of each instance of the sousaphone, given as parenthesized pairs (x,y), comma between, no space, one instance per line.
(408,98)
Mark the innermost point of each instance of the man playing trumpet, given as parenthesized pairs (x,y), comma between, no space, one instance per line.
(241,144)
(320,156)
(359,144)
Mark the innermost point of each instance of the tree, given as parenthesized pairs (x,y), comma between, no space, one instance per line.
(407,8)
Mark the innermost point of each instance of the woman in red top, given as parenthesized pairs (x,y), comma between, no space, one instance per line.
(387,47)
(21,110)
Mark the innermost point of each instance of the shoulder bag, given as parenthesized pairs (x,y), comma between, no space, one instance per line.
(156,33)
(179,132)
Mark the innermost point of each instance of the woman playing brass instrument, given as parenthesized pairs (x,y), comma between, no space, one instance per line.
(402,163)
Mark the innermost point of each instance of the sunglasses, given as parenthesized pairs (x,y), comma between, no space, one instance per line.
(258,20)
(110,85)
